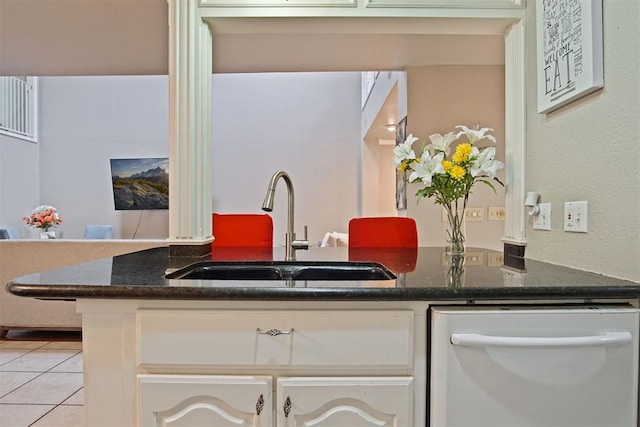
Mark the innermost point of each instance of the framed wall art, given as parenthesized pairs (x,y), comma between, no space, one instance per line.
(569,51)
(140,184)
(401,177)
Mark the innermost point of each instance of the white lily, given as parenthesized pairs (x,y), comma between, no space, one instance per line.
(428,166)
(404,151)
(485,163)
(475,134)
(442,142)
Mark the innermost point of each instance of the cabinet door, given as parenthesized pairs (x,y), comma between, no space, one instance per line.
(199,400)
(345,402)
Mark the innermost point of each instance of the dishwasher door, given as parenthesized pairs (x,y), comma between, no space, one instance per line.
(537,367)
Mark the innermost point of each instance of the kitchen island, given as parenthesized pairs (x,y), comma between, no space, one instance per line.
(185,352)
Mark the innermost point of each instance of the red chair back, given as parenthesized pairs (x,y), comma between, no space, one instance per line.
(242,230)
(383,232)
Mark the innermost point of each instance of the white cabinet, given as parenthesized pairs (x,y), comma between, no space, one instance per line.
(198,400)
(340,402)
(204,400)
(177,363)
(329,367)
(276,338)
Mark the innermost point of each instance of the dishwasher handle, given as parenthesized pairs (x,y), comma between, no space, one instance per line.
(479,340)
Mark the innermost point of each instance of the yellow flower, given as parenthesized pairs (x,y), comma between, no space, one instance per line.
(446,165)
(403,166)
(462,152)
(457,172)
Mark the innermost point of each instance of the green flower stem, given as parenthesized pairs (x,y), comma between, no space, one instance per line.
(455,215)
(455,272)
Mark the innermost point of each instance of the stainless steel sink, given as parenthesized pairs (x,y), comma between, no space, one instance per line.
(283,270)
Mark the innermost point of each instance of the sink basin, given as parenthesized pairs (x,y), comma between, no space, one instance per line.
(283,270)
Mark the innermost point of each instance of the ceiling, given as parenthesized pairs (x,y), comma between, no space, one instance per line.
(120,37)
(350,52)
(130,37)
(352,44)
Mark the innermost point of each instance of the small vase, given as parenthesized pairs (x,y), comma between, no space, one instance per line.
(45,235)
(455,227)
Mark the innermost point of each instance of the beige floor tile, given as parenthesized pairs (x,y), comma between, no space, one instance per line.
(28,393)
(48,388)
(9,354)
(62,345)
(38,361)
(21,415)
(62,416)
(76,399)
(73,364)
(30,345)
(10,381)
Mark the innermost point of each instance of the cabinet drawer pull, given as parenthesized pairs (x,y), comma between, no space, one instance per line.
(274,332)
(287,407)
(259,405)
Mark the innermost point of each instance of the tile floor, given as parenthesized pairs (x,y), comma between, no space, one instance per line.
(41,379)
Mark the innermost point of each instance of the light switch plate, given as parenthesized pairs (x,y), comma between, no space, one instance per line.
(542,221)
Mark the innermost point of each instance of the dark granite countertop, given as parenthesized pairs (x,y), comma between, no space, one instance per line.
(426,274)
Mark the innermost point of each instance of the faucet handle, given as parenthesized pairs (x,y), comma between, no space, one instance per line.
(301,244)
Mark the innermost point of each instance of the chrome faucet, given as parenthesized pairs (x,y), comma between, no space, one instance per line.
(291,244)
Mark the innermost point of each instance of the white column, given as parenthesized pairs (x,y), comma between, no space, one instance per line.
(515,135)
(190,72)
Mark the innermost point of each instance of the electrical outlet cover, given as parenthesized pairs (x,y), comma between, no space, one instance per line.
(495,259)
(575,217)
(496,213)
(474,214)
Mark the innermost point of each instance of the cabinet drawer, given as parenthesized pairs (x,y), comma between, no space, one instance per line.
(307,338)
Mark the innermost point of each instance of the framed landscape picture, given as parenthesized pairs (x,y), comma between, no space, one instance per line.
(569,51)
(140,184)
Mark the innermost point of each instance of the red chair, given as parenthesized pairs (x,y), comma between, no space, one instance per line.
(391,241)
(242,237)
(383,232)
(242,230)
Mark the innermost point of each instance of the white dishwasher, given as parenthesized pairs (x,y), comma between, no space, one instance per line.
(534,366)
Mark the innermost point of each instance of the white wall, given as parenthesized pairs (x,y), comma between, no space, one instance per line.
(307,124)
(386,104)
(85,121)
(590,150)
(19,176)
(379,180)
(386,83)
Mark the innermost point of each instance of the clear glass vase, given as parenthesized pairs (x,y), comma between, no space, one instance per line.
(47,234)
(455,226)
(455,270)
